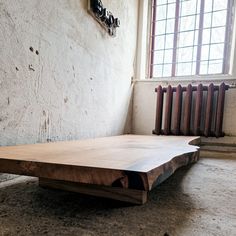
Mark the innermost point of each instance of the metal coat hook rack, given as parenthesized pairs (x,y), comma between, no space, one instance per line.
(103,16)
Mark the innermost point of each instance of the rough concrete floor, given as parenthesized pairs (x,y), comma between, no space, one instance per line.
(196,200)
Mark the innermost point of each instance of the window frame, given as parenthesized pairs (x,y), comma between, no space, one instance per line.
(229,48)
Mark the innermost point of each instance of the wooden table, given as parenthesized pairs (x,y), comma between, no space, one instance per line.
(122,167)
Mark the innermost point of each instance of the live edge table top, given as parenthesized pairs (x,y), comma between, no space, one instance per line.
(106,161)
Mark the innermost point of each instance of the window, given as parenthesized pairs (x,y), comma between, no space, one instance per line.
(190,37)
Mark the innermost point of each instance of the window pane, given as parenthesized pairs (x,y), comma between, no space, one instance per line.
(219,18)
(215,67)
(218,35)
(168,56)
(195,53)
(167,70)
(161,2)
(186,39)
(206,34)
(196,37)
(216,51)
(184,69)
(193,68)
(160,27)
(187,23)
(158,57)
(169,40)
(203,67)
(207,20)
(161,12)
(219,4)
(205,52)
(185,54)
(211,36)
(171,11)
(159,42)
(208,5)
(170,26)
(197,21)
(157,71)
(188,7)
(171,1)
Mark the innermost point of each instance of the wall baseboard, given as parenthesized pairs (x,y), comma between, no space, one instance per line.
(224,147)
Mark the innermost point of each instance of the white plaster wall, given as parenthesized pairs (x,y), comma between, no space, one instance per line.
(144,106)
(79,85)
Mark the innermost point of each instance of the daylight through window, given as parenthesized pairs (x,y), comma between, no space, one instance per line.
(190,37)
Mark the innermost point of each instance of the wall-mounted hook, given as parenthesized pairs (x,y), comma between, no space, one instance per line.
(103,16)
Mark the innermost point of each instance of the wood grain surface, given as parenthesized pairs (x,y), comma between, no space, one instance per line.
(127,161)
(122,194)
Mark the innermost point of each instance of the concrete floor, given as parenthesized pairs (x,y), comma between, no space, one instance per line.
(197,200)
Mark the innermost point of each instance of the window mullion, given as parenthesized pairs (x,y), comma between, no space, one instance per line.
(199,46)
(153,37)
(175,41)
(209,49)
(228,30)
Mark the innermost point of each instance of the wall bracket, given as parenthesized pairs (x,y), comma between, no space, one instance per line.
(104,17)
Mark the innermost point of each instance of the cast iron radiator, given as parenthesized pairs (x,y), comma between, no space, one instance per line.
(191,110)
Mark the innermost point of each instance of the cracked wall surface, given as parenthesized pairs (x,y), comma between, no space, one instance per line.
(62,76)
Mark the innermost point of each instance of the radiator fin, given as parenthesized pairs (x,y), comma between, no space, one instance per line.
(193,113)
